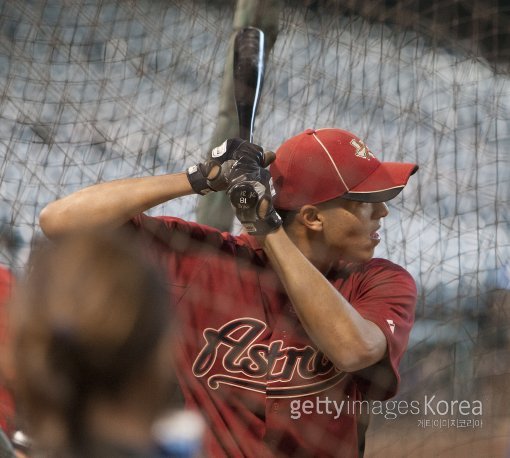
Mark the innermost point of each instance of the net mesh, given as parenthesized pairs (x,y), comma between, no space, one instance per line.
(96,90)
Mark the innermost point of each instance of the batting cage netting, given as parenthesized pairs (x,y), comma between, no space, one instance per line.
(95,90)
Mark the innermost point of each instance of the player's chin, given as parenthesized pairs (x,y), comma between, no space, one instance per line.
(366,251)
(360,255)
(367,257)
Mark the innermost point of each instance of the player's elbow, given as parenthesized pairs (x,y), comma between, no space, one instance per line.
(360,355)
(359,362)
(51,221)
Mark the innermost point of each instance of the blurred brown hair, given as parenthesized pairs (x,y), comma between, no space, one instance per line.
(88,319)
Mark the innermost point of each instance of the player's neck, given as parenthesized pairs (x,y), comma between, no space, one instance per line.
(315,251)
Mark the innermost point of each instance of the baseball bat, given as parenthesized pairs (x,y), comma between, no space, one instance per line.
(248,77)
(248,80)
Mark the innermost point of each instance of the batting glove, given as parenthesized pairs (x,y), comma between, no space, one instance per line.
(251,194)
(214,174)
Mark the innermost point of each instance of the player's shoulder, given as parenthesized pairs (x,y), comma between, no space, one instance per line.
(381,278)
(172,229)
(382,264)
(383,269)
(171,224)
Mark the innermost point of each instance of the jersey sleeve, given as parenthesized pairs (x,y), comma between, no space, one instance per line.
(182,248)
(387,297)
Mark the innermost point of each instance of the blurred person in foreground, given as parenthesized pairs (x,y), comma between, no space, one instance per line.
(295,310)
(7,410)
(91,349)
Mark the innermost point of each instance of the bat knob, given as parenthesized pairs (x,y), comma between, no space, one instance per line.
(243,196)
(269,157)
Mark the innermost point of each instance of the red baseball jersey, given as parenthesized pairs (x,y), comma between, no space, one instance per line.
(6,399)
(245,361)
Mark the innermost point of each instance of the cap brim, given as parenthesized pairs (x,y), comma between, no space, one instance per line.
(383,184)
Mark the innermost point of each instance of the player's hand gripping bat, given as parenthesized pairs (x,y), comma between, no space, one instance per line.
(248,73)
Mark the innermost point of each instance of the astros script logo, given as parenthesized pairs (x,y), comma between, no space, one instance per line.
(256,367)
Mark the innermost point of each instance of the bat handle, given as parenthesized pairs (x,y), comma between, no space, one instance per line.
(243,196)
(246,132)
(268,158)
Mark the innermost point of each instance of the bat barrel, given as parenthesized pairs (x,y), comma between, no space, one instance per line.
(248,77)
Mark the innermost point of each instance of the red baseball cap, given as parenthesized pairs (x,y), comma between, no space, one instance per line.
(319,165)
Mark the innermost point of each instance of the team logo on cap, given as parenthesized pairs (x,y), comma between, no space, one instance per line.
(362,149)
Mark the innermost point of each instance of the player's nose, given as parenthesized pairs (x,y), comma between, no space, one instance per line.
(380,210)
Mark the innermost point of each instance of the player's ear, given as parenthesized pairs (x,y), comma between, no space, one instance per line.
(310,217)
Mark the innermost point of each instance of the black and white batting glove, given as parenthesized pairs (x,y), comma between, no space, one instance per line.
(251,195)
(214,174)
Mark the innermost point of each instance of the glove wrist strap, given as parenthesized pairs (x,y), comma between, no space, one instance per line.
(264,226)
(197,180)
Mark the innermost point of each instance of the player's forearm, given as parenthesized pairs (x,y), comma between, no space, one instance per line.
(345,337)
(109,205)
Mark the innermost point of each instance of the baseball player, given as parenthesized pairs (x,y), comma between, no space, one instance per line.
(288,327)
